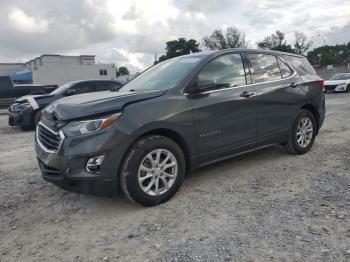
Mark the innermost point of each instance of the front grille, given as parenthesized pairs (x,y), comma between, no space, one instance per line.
(48,139)
(330,87)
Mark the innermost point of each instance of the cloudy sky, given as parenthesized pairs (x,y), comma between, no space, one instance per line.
(130,32)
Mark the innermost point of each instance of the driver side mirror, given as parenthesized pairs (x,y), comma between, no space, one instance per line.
(70,92)
(201,85)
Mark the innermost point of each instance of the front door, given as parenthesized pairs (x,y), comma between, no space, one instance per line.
(225,113)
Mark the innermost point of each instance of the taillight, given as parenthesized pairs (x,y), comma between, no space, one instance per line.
(321,83)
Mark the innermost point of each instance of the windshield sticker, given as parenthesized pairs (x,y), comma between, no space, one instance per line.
(32,102)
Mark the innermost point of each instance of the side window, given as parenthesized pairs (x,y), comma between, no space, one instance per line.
(223,72)
(84,87)
(265,68)
(285,70)
(105,85)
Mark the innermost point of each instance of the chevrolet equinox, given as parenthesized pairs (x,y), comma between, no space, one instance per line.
(178,115)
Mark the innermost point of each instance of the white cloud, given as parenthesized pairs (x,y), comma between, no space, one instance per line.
(27,24)
(131,32)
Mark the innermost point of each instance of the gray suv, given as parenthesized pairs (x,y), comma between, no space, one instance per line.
(176,116)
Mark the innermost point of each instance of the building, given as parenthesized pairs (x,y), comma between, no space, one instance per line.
(10,68)
(58,69)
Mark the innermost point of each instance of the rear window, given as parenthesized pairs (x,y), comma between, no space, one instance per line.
(265,68)
(300,65)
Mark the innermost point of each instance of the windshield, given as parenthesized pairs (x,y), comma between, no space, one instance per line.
(340,77)
(163,76)
(62,89)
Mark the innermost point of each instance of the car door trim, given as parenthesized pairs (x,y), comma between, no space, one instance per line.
(266,82)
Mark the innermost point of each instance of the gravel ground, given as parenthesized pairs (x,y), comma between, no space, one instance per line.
(264,206)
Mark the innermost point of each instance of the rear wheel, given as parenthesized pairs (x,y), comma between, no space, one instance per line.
(153,170)
(302,134)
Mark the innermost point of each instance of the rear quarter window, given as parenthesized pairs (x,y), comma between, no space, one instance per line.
(300,65)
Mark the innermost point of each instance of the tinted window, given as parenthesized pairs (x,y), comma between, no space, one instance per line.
(84,87)
(265,68)
(285,70)
(223,72)
(62,89)
(300,64)
(107,85)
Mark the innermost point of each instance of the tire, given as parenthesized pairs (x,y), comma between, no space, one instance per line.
(347,89)
(138,170)
(295,145)
(36,118)
(26,128)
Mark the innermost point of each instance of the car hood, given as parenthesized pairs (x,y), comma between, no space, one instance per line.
(23,99)
(80,106)
(336,82)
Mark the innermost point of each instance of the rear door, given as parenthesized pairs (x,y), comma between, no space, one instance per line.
(225,115)
(277,99)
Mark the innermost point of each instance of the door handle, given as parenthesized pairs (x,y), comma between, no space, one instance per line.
(293,85)
(247,94)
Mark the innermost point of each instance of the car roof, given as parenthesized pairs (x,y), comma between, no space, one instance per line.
(342,74)
(30,85)
(223,51)
(98,80)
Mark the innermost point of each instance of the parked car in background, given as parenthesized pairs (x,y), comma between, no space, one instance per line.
(338,83)
(178,115)
(26,111)
(9,92)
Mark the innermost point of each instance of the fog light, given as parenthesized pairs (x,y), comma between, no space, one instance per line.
(94,164)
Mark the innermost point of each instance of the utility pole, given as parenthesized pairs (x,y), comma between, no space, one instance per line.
(155,58)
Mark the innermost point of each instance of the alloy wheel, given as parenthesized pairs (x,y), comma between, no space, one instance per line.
(157,172)
(305,132)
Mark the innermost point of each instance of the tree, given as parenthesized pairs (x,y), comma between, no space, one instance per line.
(330,55)
(301,45)
(179,47)
(122,71)
(276,42)
(232,38)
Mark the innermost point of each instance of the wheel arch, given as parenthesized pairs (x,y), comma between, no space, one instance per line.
(315,112)
(171,134)
(178,139)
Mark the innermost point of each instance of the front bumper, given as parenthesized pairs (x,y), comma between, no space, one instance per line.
(18,118)
(334,88)
(66,167)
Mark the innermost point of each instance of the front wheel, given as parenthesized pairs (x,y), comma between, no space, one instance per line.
(153,170)
(303,133)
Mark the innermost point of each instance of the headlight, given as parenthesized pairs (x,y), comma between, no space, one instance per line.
(88,126)
(342,86)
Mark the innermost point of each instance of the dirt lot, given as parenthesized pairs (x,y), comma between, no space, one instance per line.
(264,206)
